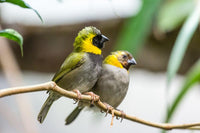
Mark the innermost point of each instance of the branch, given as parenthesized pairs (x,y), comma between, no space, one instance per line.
(52,86)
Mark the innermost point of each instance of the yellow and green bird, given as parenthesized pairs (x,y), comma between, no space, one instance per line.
(81,68)
(113,83)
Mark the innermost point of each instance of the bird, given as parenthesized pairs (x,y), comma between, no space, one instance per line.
(81,69)
(113,83)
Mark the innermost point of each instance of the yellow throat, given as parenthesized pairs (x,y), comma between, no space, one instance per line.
(112,60)
(87,46)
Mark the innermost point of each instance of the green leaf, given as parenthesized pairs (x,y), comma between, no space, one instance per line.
(22,4)
(167,19)
(182,42)
(136,29)
(13,35)
(193,77)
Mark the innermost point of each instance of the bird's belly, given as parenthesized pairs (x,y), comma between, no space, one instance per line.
(117,93)
(112,86)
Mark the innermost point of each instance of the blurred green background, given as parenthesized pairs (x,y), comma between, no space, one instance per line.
(163,36)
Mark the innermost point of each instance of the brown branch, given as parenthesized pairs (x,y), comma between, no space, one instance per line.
(52,86)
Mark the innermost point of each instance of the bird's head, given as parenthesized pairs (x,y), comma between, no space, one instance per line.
(121,59)
(90,40)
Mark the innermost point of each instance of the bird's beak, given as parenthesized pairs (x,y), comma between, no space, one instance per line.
(104,39)
(132,61)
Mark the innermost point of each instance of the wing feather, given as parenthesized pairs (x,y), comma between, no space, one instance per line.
(74,60)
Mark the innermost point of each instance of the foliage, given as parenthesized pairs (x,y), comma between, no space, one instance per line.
(136,29)
(13,35)
(167,19)
(170,21)
(182,42)
(191,79)
(22,4)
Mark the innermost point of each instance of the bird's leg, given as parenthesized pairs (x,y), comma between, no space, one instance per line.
(108,108)
(111,109)
(94,96)
(113,115)
(78,95)
(122,115)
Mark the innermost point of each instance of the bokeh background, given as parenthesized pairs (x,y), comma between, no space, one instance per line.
(146,28)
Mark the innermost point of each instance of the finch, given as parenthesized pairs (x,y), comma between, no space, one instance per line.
(113,83)
(81,69)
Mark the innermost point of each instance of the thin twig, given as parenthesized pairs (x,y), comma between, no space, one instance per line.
(70,94)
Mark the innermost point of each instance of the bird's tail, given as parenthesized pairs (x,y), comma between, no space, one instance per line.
(73,115)
(45,108)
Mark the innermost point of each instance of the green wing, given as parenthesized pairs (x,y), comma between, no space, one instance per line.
(74,60)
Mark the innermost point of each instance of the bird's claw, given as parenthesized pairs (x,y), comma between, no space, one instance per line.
(101,111)
(122,115)
(78,95)
(93,96)
(108,108)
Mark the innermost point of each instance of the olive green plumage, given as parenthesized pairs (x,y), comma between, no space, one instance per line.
(81,68)
(74,60)
(113,83)
(83,35)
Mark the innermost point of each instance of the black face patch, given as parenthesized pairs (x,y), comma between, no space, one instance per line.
(99,40)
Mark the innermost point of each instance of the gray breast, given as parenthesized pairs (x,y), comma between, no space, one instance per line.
(113,84)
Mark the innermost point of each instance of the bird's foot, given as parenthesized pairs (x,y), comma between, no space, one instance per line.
(111,109)
(122,115)
(78,95)
(93,96)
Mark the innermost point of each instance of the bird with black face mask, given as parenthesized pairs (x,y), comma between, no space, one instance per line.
(113,83)
(81,68)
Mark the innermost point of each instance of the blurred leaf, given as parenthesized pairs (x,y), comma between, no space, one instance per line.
(22,4)
(13,35)
(193,77)
(136,29)
(172,14)
(182,42)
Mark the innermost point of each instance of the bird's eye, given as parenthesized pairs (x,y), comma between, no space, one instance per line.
(96,40)
(124,56)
